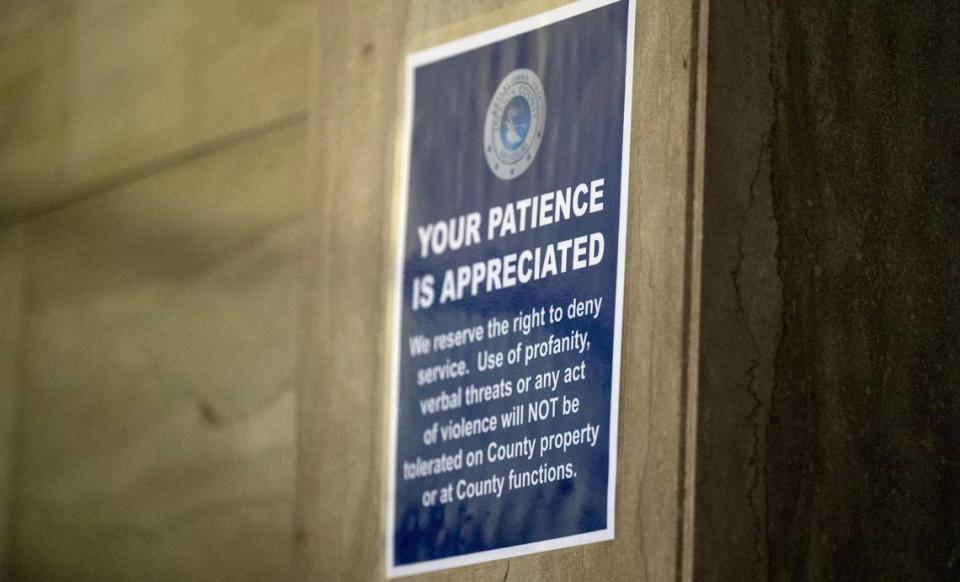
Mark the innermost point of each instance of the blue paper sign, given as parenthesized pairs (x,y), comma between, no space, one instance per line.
(509,290)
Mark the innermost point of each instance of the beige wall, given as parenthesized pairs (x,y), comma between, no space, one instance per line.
(153,161)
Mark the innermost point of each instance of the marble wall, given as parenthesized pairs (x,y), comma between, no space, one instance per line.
(153,182)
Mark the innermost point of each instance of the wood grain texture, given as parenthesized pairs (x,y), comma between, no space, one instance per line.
(344,379)
(92,89)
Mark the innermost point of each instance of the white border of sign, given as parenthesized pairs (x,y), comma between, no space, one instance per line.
(431,55)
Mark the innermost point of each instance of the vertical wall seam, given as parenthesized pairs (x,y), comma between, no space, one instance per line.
(773,77)
(692,281)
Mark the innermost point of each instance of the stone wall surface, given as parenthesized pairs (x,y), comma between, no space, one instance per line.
(863,458)
(11,312)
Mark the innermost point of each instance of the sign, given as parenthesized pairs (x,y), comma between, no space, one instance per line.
(509,290)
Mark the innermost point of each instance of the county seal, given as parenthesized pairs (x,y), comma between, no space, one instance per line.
(514,124)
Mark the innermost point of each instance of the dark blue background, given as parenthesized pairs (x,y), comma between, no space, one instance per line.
(581,62)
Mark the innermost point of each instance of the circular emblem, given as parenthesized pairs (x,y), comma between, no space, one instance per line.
(514,127)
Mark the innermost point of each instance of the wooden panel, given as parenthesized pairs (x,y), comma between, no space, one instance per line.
(11,311)
(344,385)
(157,438)
(92,89)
